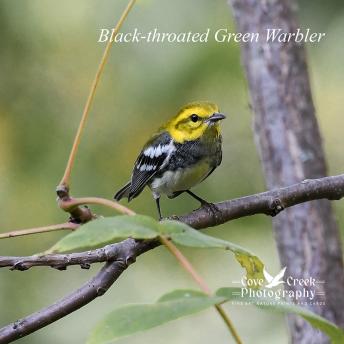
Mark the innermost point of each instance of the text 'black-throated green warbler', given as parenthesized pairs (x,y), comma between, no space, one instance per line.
(182,153)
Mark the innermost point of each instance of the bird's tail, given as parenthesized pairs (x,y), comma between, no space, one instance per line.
(123,192)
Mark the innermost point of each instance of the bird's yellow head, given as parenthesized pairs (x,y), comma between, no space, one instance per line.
(193,121)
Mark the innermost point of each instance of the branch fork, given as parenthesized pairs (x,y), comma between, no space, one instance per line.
(65,202)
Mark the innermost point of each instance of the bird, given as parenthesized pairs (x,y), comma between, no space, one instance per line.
(181,154)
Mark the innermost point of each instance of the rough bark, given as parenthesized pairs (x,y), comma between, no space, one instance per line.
(291,150)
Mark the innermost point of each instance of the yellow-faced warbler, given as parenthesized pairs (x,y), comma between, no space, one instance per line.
(181,154)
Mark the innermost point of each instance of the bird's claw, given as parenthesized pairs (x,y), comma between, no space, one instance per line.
(212,209)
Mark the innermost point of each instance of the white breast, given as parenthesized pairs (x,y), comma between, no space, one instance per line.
(179,180)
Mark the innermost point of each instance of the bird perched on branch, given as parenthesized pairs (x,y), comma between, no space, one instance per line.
(180,155)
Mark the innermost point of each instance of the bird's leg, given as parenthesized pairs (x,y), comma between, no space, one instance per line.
(211,206)
(199,199)
(157,201)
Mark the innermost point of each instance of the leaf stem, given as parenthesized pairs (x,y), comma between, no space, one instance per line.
(66,177)
(58,227)
(184,262)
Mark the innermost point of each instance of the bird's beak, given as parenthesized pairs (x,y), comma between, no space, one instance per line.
(215,117)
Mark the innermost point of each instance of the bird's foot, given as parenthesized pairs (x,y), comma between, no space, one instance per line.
(212,209)
(173,218)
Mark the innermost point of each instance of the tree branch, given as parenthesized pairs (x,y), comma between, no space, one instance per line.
(128,250)
(269,203)
(122,254)
(61,261)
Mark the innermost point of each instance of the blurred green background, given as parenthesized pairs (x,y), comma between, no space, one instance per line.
(49,55)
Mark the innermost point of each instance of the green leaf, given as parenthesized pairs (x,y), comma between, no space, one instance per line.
(106,230)
(277,305)
(110,229)
(131,319)
(181,294)
(182,234)
(254,268)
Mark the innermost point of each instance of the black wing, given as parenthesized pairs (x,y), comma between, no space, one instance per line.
(154,155)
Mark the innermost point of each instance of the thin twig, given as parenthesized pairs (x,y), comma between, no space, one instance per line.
(66,177)
(68,205)
(187,266)
(71,203)
(58,227)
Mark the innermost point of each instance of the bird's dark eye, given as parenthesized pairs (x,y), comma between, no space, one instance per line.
(194,118)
